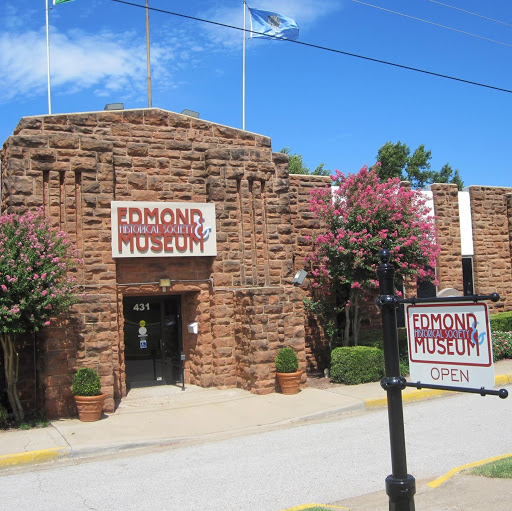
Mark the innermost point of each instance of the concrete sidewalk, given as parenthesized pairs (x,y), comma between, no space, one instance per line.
(166,415)
(463,492)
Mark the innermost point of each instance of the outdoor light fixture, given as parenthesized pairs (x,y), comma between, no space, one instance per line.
(164,284)
(299,277)
(114,106)
(190,113)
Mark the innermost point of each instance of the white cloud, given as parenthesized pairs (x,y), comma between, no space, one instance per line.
(304,12)
(104,61)
(108,61)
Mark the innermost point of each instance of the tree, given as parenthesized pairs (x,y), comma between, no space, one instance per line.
(396,161)
(34,285)
(297,166)
(448,175)
(356,220)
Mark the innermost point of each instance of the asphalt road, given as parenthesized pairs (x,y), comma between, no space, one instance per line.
(316,462)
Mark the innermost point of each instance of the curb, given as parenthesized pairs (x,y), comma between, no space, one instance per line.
(409,397)
(41,456)
(424,394)
(305,507)
(52,454)
(442,479)
(503,379)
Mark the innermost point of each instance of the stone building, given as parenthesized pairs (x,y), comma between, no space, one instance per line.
(191,233)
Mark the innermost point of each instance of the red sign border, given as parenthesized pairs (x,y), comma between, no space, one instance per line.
(444,305)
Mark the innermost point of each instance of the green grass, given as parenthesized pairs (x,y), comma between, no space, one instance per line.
(500,468)
(30,422)
(34,423)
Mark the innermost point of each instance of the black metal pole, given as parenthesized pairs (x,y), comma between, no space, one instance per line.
(400,486)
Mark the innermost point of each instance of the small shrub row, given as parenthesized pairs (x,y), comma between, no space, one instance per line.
(501,345)
(374,338)
(501,322)
(356,364)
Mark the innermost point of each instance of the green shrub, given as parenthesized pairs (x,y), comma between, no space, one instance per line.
(404,367)
(501,322)
(86,382)
(374,338)
(501,345)
(371,338)
(287,361)
(356,364)
(3,416)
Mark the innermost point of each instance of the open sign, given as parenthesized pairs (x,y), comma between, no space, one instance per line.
(450,344)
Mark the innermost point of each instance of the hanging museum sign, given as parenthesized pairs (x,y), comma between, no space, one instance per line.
(450,344)
(163,229)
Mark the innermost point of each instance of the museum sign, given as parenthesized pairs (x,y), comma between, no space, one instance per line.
(163,229)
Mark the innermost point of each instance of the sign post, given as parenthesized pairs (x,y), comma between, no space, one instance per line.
(449,342)
(400,486)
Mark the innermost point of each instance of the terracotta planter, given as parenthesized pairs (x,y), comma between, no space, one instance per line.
(89,407)
(290,382)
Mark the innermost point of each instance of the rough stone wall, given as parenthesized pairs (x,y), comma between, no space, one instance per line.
(449,262)
(304,225)
(56,162)
(267,319)
(75,165)
(491,216)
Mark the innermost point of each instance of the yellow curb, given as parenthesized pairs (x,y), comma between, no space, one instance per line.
(307,506)
(442,479)
(21,458)
(503,379)
(418,395)
(408,397)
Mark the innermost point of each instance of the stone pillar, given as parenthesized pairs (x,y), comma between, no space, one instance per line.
(449,262)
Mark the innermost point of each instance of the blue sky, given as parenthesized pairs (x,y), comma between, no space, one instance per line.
(328,107)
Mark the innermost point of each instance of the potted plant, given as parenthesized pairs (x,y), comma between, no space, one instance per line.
(86,389)
(287,370)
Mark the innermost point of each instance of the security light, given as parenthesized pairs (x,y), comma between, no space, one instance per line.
(190,113)
(164,284)
(114,106)
(299,277)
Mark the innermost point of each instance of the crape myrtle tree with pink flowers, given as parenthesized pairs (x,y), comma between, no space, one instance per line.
(35,285)
(356,220)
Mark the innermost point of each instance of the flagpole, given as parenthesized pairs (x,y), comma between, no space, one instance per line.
(46,8)
(243,74)
(148,59)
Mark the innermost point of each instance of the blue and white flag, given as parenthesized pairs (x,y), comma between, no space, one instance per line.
(273,25)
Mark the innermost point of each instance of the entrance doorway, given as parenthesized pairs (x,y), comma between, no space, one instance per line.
(153,343)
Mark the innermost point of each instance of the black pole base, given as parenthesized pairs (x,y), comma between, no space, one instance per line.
(401,493)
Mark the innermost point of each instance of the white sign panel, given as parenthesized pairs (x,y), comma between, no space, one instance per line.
(450,344)
(163,229)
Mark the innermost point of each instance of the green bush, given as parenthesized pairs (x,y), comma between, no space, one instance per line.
(501,345)
(86,382)
(501,322)
(3,416)
(356,364)
(287,361)
(374,338)
(404,367)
